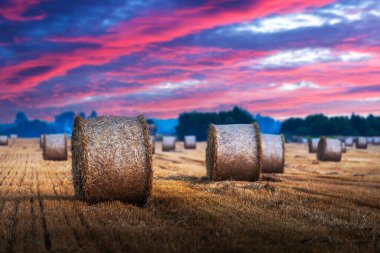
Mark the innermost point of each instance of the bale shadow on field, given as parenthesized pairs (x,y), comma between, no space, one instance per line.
(42,197)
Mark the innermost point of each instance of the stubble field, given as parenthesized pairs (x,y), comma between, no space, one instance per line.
(313,207)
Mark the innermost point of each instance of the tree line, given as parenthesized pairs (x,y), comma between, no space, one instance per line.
(319,124)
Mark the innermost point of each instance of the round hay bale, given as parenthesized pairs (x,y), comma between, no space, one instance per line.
(42,141)
(153,143)
(313,145)
(168,143)
(190,142)
(234,152)
(329,150)
(55,147)
(112,159)
(344,148)
(361,143)
(349,141)
(3,140)
(273,158)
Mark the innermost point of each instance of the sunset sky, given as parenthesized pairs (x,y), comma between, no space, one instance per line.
(160,58)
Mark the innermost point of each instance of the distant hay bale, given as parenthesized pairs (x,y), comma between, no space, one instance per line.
(329,150)
(153,143)
(344,148)
(273,158)
(370,140)
(361,143)
(349,141)
(313,145)
(234,152)
(42,141)
(168,143)
(112,159)
(190,142)
(55,147)
(376,140)
(3,140)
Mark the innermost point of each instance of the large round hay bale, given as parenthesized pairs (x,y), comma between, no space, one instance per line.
(273,153)
(112,159)
(168,143)
(361,143)
(3,140)
(153,143)
(329,150)
(313,145)
(349,141)
(234,152)
(55,147)
(42,141)
(190,142)
(344,148)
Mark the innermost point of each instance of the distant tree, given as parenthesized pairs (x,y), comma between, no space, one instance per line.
(21,118)
(93,115)
(82,114)
(197,123)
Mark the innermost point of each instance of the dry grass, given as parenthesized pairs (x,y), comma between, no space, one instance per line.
(312,207)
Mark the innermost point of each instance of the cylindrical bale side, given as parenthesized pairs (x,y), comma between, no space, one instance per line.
(273,158)
(55,147)
(190,142)
(168,143)
(329,150)
(234,152)
(361,143)
(349,141)
(313,145)
(42,141)
(153,143)
(112,159)
(344,148)
(3,140)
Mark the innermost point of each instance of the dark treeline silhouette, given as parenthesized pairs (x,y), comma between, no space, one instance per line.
(24,127)
(197,123)
(319,124)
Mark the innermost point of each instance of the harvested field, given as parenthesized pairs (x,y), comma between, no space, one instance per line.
(314,206)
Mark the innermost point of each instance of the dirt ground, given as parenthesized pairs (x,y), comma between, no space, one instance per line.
(313,207)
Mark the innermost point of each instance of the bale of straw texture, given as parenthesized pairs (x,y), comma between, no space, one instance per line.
(273,158)
(329,150)
(349,141)
(313,145)
(190,142)
(361,143)
(168,143)
(344,148)
(112,159)
(55,147)
(42,141)
(234,152)
(3,140)
(153,143)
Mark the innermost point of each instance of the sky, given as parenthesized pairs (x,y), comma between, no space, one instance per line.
(160,58)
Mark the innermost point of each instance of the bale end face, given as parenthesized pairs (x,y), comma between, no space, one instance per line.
(4,140)
(329,150)
(168,143)
(190,142)
(234,152)
(55,147)
(112,159)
